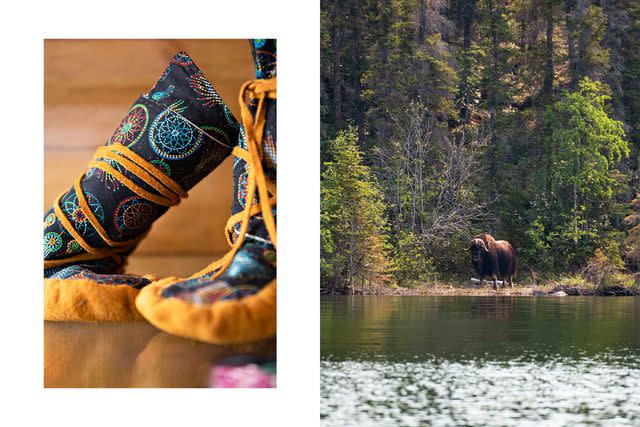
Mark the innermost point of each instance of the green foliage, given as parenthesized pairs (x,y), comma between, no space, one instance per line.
(600,270)
(621,279)
(574,280)
(412,265)
(583,148)
(353,228)
(474,117)
(583,143)
(538,249)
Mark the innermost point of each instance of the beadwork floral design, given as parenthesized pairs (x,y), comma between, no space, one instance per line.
(49,220)
(132,215)
(131,127)
(52,242)
(173,137)
(73,247)
(74,213)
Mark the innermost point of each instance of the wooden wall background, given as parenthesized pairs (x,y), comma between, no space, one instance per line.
(89,86)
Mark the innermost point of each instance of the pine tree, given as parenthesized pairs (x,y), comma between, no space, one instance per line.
(353,228)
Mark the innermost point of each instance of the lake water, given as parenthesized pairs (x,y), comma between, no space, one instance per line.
(478,361)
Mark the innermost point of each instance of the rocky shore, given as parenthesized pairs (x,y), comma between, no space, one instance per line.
(523,290)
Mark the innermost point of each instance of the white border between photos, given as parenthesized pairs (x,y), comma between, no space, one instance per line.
(296,25)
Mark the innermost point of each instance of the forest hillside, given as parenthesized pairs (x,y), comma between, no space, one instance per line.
(442,119)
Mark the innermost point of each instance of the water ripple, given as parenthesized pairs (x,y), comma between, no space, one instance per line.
(602,390)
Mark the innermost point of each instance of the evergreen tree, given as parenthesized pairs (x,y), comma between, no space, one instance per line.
(353,228)
(433,86)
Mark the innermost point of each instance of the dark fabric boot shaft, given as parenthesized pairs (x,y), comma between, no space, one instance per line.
(182,127)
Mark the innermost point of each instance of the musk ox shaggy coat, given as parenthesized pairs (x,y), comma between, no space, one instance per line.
(493,259)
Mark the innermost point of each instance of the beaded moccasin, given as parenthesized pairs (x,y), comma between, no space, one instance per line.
(233,300)
(169,140)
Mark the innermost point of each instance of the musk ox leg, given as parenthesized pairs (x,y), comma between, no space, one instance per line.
(495,282)
(511,281)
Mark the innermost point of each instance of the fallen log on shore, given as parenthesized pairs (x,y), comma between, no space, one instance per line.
(477,281)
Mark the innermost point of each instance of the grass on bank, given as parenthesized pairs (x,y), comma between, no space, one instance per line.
(614,284)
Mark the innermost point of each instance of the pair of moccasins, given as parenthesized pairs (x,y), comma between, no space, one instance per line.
(170,139)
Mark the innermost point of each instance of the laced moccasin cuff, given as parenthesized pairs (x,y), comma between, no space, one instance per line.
(171,138)
(233,300)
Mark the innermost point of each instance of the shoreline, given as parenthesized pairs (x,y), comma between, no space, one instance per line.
(552,289)
(451,290)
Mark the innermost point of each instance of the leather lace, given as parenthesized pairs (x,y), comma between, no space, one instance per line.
(261,90)
(169,194)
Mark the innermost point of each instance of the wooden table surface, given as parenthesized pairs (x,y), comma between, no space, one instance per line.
(135,354)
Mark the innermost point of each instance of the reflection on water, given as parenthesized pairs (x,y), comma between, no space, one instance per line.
(136,355)
(480,361)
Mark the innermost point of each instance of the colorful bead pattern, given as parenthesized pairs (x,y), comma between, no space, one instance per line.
(73,247)
(182,59)
(71,208)
(161,94)
(254,265)
(132,127)
(218,134)
(165,168)
(108,181)
(173,137)
(252,268)
(265,57)
(264,53)
(207,93)
(84,272)
(242,190)
(269,146)
(132,216)
(49,220)
(52,242)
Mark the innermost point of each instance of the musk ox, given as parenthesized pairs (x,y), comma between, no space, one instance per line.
(493,258)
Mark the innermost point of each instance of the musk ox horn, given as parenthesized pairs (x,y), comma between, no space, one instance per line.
(484,246)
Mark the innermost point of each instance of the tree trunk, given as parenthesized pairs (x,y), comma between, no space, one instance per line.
(493,97)
(548,75)
(422,22)
(572,49)
(467,15)
(494,58)
(337,75)
(467,24)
